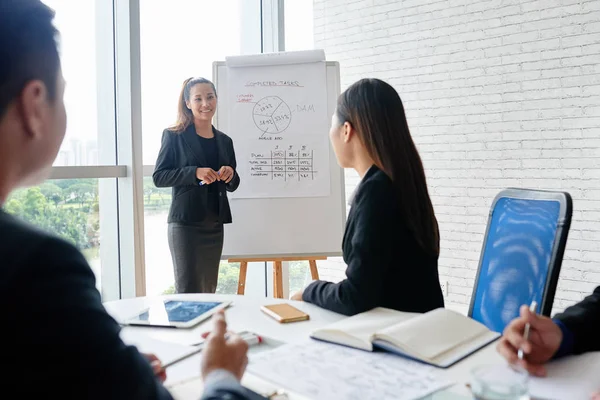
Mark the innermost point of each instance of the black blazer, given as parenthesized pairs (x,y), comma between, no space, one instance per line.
(179,157)
(59,337)
(386,266)
(583,320)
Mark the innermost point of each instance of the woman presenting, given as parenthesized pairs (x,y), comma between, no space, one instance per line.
(198,162)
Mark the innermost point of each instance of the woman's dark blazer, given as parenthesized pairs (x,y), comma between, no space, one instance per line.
(179,157)
(386,265)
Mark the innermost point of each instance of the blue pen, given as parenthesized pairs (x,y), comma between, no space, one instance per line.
(203,183)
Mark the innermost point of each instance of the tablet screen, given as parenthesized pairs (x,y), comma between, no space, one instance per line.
(179,311)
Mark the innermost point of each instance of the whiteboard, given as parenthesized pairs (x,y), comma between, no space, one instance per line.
(290,226)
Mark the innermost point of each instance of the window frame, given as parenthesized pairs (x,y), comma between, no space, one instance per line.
(121,199)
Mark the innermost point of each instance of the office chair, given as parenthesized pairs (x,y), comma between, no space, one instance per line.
(522,254)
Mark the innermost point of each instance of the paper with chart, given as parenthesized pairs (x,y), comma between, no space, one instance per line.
(326,371)
(279,123)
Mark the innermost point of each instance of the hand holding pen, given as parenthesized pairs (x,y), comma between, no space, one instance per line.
(530,340)
(206,176)
(221,352)
(520,352)
(221,348)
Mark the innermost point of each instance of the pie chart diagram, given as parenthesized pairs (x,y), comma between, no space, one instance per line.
(272,115)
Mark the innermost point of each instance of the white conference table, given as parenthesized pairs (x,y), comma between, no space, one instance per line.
(245,315)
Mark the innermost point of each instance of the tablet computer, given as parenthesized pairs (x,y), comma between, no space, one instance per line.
(177,313)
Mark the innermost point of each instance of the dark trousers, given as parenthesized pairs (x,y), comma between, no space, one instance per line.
(196,252)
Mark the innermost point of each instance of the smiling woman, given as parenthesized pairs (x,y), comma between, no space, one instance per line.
(200,180)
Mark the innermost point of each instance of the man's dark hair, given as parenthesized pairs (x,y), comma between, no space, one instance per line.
(28,48)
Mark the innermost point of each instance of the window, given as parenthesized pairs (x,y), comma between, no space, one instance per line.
(68,208)
(299,32)
(177,42)
(84,57)
(82,207)
(159,267)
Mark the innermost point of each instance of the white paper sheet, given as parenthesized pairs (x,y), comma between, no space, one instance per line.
(279,123)
(571,378)
(327,371)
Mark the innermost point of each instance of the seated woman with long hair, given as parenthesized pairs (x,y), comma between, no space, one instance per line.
(391,242)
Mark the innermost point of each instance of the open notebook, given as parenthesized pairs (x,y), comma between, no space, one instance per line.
(440,337)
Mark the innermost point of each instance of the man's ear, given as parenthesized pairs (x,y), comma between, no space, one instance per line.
(33,107)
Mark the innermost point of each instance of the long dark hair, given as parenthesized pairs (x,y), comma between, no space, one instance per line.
(184,115)
(375,111)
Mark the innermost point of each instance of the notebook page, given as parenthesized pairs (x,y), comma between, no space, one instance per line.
(362,326)
(435,332)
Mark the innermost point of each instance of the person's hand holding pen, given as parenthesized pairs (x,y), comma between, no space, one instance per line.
(206,175)
(226,173)
(221,352)
(543,342)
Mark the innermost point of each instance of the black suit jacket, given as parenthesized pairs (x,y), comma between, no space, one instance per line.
(386,266)
(179,157)
(57,336)
(583,319)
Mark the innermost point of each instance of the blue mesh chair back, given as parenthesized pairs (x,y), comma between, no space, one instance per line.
(522,255)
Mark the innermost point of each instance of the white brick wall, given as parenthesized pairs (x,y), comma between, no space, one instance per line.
(497,93)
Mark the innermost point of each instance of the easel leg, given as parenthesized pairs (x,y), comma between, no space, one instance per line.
(277,280)
(242,277)
(314,272)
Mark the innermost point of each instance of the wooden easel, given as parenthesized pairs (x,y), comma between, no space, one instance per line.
(277,271)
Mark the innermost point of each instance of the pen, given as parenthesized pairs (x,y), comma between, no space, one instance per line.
(184,357)
(532,308)
(202,183)
(250,338)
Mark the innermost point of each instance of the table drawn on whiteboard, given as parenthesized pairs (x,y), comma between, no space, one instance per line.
(272,115)
(281,164)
